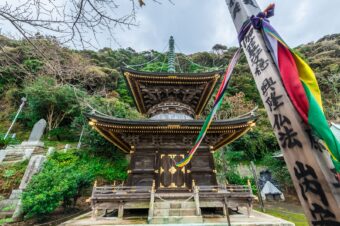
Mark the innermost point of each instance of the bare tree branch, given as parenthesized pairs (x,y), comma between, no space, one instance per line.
(71,21)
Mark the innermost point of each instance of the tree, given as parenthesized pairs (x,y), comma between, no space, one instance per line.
(76,21)
(52,101)
(219,49)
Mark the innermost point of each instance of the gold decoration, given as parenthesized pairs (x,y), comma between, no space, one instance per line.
(172,185)
(172,170)
(174,126)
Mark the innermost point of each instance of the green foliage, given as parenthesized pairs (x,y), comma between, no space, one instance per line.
(123,91)
(33,65)
(64,176)
(8,173)
(298,218)
(235,156)
(279,170)
(5,220)
(156,66)
(255,144)
(8,141)
(10,176)
(55,102)
(233,177)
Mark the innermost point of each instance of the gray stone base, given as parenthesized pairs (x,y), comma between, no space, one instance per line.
(256,218)
(32,144)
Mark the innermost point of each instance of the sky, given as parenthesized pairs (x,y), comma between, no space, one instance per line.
(197,25)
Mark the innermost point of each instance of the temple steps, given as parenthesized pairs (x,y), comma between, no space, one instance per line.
(176,220)
(175,205)
(175,211)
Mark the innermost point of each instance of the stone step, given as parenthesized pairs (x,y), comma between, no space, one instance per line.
(6,214)
(176,219)
(174,205)
(9,159)
(7,207)
(174,212)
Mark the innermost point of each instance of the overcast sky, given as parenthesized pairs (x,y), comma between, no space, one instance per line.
(199,24)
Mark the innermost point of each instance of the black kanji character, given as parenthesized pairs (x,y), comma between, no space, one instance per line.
(231,3)
(273,101)
(323,217)
(314,141)
(309,181)
(280,120)
(248,38)
(267,83)
(250,2)
(263,64)
(287,138)
(236,10)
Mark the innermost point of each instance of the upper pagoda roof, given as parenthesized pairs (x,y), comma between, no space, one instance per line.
(151,88)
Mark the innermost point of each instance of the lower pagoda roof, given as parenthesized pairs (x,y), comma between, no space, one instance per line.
(127,133)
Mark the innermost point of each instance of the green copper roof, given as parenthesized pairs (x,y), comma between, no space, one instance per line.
(171,55)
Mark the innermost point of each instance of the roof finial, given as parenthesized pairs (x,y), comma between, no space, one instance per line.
(171,55)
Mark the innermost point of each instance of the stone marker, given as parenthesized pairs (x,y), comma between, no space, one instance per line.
(50,151)
(67,146)
(36,134)
(33,167)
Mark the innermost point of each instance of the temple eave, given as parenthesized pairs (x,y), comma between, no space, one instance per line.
(219,134)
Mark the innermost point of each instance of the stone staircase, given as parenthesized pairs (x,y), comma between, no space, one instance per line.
(175,211)
(12,207)
(17,153)
(8,206)
(14,153)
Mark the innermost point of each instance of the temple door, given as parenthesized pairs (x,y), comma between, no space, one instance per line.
(170,176)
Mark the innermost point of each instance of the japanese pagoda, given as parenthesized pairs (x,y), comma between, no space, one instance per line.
(172,102)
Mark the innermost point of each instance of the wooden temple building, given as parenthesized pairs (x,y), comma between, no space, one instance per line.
(172,102)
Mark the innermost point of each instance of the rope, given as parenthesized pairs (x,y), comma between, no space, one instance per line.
(142,64)
(188,59)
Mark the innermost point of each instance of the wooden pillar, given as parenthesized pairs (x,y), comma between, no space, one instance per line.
(197,200)
(152,201)
(253,169)
(309,166)
(226,209)
(121,210)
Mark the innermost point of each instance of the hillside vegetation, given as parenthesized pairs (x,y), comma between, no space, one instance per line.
(61,84)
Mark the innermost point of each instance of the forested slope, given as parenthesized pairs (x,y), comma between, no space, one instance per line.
(60,84)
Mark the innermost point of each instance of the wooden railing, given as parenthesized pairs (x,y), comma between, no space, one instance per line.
(225,188)
(103,191)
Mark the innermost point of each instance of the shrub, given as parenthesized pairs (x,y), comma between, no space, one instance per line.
(279,170)
(63,178)
(55,102)
(10,176)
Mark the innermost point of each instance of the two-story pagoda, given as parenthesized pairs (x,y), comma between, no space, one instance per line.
(172,102)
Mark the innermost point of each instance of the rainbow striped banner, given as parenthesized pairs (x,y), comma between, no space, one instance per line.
(217,103)
(302,88)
